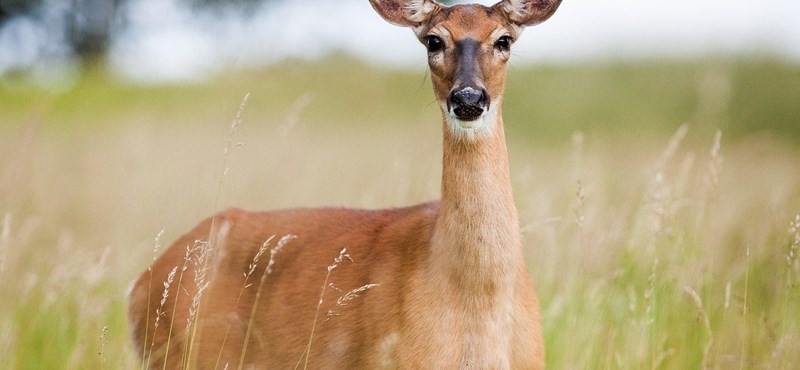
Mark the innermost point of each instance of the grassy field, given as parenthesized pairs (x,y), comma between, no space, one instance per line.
(659,202)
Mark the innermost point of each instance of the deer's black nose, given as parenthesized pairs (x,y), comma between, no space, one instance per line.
(468,103)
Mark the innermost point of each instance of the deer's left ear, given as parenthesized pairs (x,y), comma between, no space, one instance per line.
(406,13)
(528,12)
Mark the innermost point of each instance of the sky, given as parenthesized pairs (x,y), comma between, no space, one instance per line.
(166,42)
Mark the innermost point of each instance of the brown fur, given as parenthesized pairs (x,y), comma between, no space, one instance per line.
(454,289)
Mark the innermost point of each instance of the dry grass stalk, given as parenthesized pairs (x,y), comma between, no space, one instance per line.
(698,302)
(250,269)
(577,153)
(727,295)
(347,297)
(231,144)
(343,255)
(221,233)
(744,333)
(579,208)
(715,162)
(794,232)
(278,248)
(103,341)
(660,194)
(273,253)
(225,157)
(186,260)
(788,332)
(160,312)
(199,257)
(293,117)
(650,311)
(156,247)
(5,241)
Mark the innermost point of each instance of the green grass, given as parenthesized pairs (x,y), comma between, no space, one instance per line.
(549,102)
(620,232)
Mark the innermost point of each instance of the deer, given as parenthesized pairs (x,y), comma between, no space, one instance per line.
(448,284)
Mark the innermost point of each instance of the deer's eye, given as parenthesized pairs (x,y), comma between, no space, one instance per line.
(503,43)
(433,43)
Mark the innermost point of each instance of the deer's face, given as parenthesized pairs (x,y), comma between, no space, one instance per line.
(468,47)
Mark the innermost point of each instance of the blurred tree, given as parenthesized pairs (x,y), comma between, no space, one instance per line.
(90,24)
(10,8)
(84,27)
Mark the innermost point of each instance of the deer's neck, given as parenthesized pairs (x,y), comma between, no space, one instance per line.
(476,241)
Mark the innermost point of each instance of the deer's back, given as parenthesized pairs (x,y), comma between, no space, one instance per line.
(382,247)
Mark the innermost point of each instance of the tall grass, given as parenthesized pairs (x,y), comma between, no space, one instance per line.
(644,279)
(648,250)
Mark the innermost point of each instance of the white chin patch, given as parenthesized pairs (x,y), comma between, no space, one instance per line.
(471,130)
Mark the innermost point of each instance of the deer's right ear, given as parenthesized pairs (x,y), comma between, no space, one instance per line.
(406,13)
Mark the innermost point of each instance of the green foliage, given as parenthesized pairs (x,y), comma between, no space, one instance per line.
(741,98)
(542,102)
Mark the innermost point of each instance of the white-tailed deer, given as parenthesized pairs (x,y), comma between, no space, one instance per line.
(454,290)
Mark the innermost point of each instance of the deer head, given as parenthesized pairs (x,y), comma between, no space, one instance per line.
(468,48)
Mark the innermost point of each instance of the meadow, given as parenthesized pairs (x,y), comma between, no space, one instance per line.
(660,201)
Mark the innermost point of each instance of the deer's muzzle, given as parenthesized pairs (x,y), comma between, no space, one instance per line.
(468,103)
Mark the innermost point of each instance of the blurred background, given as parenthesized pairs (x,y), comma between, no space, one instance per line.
(655,152)
(733,59)
(179,40)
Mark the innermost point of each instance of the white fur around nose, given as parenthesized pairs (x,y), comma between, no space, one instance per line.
(470,130)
